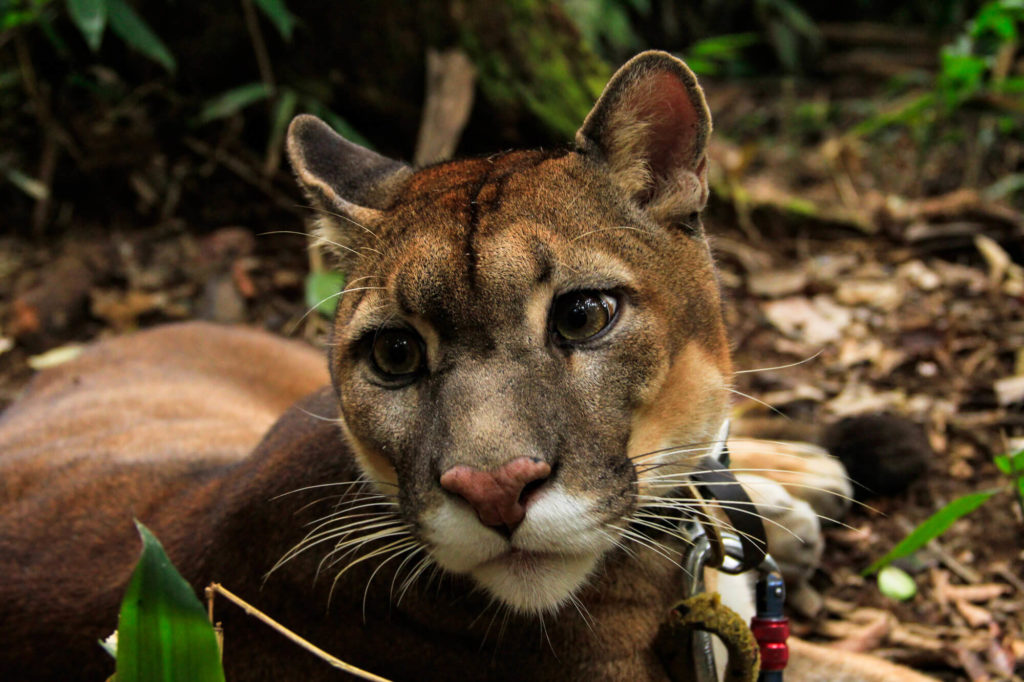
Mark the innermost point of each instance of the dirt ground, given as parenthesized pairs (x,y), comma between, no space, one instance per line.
(889,274)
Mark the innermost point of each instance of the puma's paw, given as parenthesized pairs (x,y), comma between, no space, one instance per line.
(806,471)
(794,531)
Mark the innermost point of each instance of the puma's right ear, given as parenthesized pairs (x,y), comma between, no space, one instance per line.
(350,184)
(651,127)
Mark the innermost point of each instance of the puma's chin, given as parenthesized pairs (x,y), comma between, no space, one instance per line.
(534,582)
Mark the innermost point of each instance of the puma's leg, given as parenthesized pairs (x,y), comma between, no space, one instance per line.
(794,537)
(817,663)
(794,532)
(807,472)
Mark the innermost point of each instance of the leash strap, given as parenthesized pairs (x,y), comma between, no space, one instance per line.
(713,479)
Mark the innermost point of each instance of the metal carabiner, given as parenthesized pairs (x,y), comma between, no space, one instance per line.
(769,624)
(702,650)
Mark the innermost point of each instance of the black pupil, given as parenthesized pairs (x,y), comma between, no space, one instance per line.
(583,310)
(580,316)
(396,353)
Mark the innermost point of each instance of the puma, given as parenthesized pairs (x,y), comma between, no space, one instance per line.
(527,360)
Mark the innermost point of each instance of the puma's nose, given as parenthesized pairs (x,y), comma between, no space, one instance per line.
(499,497)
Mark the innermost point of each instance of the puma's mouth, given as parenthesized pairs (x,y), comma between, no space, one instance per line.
(521,559)
(547,559)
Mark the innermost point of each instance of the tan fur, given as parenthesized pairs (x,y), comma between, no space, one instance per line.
(341,496)
(685,407)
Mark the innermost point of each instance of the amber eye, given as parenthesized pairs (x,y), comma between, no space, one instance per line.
(397,353)
(581,315)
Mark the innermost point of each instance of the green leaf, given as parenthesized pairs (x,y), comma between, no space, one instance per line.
(896,583)
(134,31)
(163,632)
(232,101)
(316,107)
(932,527)
(284,110)
(90,16)
(279,15)
(322,289)
(723,46)
(1012,464)
(346,130)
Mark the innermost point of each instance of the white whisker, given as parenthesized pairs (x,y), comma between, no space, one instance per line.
(770,369)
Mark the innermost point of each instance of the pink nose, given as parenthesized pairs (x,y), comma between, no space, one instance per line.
(499,497)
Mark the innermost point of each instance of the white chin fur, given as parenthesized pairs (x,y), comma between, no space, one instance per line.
(549,557)
(535,584)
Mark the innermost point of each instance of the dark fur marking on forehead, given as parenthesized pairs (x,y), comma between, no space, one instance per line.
(472,222)
(497,177)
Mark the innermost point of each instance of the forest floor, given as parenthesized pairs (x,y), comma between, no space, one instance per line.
(889,272)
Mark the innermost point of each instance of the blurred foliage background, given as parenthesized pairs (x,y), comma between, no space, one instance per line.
(115,112)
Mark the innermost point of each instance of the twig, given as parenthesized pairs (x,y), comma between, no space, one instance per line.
(217,588)
(47,169)
(259,46)
(244,171)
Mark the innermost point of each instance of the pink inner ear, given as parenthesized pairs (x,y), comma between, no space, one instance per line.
(675,125)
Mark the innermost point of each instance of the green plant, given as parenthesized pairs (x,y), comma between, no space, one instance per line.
(608,22)
(789,30)
(973,67)
(93,16)
(1010,465)
(719,55)
(163,632)
(979,60)
(322,291)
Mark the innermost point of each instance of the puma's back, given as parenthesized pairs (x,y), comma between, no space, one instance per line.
(193,392)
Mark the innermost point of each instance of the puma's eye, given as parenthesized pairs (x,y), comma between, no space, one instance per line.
(397,353)
(581,315)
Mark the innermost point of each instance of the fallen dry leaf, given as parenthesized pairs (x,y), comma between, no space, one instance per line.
(56,356)
(777,283)
(881,294)
(1009,390)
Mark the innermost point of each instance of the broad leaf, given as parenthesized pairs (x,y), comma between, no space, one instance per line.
(163,633)
(279,15)
(1012,464)
(232,101)
(134,31)
(932,527)
(316,107)
(346,130)
(322,291)
(284,111)
(90,16)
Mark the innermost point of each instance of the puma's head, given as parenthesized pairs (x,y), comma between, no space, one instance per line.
(529,343)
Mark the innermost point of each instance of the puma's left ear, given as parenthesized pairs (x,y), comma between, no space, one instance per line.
(351,185)
(651,127)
